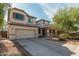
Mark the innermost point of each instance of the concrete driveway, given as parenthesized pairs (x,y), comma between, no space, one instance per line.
(42,47)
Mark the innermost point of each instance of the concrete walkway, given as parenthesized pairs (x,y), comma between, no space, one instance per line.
(42,47)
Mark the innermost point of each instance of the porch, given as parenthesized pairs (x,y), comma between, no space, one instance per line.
(46,32)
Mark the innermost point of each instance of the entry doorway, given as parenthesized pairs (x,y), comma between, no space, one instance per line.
(42,32)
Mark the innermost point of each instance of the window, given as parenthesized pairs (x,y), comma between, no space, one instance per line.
(18,16)
(30,20)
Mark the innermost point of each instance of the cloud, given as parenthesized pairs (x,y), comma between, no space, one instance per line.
(49,11)
(72,4)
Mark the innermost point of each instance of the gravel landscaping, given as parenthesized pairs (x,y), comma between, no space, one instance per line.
(11,48)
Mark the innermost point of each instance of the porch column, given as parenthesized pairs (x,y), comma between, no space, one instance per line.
(37,34)
(48,33)
(41,32)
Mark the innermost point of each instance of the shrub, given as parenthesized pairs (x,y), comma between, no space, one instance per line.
(63,36)
(74,36)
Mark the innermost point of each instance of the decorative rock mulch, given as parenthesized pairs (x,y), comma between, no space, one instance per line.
(7,48)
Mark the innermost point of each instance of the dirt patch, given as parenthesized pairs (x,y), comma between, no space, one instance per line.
(73,42)
(11,48)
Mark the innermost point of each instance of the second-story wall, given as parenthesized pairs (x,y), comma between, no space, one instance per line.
(13,12)
(31,20)
(42,23)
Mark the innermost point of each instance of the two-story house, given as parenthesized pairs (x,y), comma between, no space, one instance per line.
(21,25)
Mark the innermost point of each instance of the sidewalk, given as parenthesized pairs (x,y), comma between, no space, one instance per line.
(76,51)
(73,48)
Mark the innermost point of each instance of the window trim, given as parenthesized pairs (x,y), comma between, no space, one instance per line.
(21,18)
(30,19)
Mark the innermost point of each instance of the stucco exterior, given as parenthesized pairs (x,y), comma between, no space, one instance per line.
(17,27)
(12,20)
(42,23)
(12,30)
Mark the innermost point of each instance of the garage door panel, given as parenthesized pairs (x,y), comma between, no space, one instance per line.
(24,34)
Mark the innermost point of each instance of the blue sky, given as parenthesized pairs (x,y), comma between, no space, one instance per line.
(42,10)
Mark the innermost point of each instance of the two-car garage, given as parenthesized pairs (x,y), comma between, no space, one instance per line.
(21,32)
(24,33)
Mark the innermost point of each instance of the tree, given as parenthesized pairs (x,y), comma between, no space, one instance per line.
(3,7)
(67,18)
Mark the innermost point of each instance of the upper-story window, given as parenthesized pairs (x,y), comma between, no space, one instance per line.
(46,23)
(18,16)
(30,20)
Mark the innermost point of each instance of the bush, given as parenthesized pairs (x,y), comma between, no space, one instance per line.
(63,36)
(4,34)
(74,36)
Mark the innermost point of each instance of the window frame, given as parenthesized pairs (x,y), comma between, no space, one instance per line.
(20,16)
(30,20)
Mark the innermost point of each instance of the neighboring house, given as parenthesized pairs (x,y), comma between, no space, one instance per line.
(21,25)
(43,30)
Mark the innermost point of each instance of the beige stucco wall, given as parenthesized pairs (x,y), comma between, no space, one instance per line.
(46,23)
(48,33)
(40,23)
(12,20)
(12,28)
(25,21)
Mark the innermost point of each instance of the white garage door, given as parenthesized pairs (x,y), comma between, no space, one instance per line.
(24,34)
